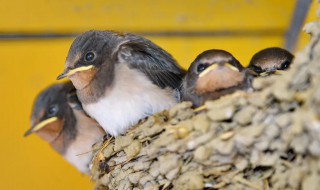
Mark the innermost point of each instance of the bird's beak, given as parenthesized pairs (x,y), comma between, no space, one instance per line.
(40,125)
(251,72)
(215,66)
(231,67)
(263,74)
(207,70)
(277,72)
(73,71)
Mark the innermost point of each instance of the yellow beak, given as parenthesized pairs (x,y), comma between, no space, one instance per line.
(40,125)
(276,72)
(73,71)
(263,74)
(215,66)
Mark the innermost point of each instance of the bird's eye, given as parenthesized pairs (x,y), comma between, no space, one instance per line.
(89,56)
(285,65)
(52,110)
(201,67)
(257,69)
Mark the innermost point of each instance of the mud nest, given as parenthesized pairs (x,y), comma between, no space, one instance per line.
(267,139)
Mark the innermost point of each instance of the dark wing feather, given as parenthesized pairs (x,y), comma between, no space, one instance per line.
(73,100)
(153,61)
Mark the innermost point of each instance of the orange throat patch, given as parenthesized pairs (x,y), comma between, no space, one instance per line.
(82,79)
(217,79)
(51,134)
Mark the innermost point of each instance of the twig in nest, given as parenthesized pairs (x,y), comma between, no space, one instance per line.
(99,156)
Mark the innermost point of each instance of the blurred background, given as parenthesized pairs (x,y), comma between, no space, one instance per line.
(35,36)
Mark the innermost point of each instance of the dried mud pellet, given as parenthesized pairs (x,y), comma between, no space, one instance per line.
(135,177)
(133,149)
(244,116)
(185,182)
(201,153)
(122,142)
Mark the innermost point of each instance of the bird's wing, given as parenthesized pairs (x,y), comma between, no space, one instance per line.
(153,61)
(73,100)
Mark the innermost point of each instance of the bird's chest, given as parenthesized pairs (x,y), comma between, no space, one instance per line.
(79,150)
(131,99)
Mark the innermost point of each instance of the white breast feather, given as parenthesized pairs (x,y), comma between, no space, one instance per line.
(81,162)
(133,97)
(79,152)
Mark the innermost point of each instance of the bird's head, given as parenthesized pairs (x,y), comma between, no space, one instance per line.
(213,70)
(270,61)
(51,115)
(88,53)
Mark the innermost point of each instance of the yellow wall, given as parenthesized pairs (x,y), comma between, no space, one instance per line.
(144,15)
(29,65)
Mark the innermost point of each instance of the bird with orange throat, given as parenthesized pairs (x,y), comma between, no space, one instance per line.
(58,118)
(121,78)
(212,74)
(273,60)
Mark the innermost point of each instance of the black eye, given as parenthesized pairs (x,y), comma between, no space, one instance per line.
(52,110)
(285,65)
(201,67)
(257,69)
(89,56)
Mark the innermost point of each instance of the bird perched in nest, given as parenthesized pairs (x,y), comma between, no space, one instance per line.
(270,61)
(212,74)
(121,78)
(58,118)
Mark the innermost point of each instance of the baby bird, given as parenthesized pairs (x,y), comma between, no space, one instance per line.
(121,78)
(270,61)
(212,74)
(58,119)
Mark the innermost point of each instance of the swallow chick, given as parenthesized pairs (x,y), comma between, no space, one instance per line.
(58,119)
(270,61)
(121,78)
(212,74)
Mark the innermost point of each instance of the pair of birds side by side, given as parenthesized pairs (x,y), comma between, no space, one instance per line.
(121,78)
(215,73)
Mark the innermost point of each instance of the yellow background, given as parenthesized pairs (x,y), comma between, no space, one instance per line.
(29,65)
